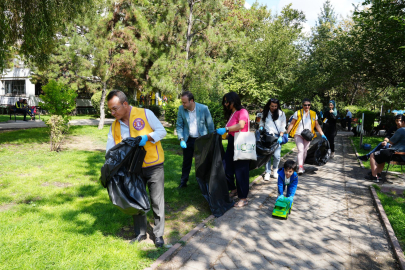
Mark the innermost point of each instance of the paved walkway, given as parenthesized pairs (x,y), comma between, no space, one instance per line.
(333,225)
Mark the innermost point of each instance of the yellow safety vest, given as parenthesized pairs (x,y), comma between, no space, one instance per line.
(298,122)
(18,107)
(138,126)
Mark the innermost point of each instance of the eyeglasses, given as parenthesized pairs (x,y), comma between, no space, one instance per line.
(114,110)
(307,105)
(274,100)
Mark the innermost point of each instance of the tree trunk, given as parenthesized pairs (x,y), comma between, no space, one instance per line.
(189,40)
(102,101)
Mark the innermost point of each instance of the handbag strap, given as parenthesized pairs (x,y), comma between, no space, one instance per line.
(302,118)
(275,124)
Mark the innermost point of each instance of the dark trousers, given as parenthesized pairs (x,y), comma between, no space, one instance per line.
(154,178)
(23,111)
(330,135)
(238,169)
(188,154)
(349,123)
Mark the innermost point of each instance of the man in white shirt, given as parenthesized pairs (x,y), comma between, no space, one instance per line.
(133,122)
(193,120)
(349,119)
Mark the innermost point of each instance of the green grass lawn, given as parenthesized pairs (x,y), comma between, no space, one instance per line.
(55,214)
(374,141)
(394,207)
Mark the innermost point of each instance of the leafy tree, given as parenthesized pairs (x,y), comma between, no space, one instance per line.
(58,99)
(29,27)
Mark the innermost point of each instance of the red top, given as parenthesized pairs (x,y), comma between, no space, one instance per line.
(242,114)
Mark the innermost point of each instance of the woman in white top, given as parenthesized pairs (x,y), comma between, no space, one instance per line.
(304,119)
(274,122)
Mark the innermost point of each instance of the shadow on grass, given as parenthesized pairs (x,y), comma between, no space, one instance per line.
(34,135)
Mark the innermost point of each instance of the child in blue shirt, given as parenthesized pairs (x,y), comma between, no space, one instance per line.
(287,179)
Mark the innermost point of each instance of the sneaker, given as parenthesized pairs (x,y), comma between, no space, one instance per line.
(275,174)
(267,177)
(301,170)
(376,179)
(378,174)
(363,158)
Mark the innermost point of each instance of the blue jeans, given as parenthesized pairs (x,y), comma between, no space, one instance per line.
(276,160)
(378,147)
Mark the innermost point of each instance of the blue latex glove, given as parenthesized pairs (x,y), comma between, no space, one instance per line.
(290,199)
(323,136)
(260,128)
(280,140)
(280,197)
(183,144)
(144,140)
(221,131)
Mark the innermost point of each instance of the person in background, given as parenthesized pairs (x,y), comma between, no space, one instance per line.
(303,119)
(349,117)
(330,125)
(238,119)
(29,110)
(135,122)
(385,144)
(378,159)
(193,120)
(274,122)
(20,108)
(287,179)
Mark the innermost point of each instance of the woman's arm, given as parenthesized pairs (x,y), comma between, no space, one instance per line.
(237,127)
(318,128)
(293,121)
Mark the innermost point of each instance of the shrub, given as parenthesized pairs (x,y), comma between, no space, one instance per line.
(58,99)
(387,120)
(369,118)
(288,113)
(58,127)
(217,114)
(171,111)
(157,110)
(95,101)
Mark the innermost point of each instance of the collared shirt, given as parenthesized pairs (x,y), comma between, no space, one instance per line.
(349,114)
(193,123)
(158,133)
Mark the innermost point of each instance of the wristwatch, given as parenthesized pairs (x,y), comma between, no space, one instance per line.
(227,129)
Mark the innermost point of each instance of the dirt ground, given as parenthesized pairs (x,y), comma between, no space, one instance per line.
(85,143)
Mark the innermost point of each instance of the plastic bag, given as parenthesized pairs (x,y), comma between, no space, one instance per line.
(120,175)
(263,151)
(319,153)
(210,173)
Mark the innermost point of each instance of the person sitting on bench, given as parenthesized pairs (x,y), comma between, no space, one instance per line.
(385,144)
(379,158)
(30,111)
(19,108)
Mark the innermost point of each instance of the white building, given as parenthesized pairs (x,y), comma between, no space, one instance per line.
(15,83)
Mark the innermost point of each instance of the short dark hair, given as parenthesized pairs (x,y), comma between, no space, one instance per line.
(306,100)
(403,118)
(116,93)
(188,94)
(399,116)
(290,164)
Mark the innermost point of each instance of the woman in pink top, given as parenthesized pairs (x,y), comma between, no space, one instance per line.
(238,118)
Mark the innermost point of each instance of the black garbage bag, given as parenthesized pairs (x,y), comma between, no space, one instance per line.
(319,153)
(210,173)
(263,151)
(120,175)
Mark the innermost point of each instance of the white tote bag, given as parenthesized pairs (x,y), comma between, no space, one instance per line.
(245,145)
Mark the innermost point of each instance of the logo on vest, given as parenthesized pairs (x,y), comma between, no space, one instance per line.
(139,124)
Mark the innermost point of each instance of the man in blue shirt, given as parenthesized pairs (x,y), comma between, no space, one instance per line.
(379,158)
(193,120)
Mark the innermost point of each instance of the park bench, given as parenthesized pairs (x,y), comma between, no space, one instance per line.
(396,162)
(13,111)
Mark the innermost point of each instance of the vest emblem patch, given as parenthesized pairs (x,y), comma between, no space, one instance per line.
(138,124)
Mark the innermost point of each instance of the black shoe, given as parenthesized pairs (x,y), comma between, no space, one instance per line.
(376,179)
(25,120)
(378,174)
(182,185)
(159,242)
(363,158)
(138,239)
